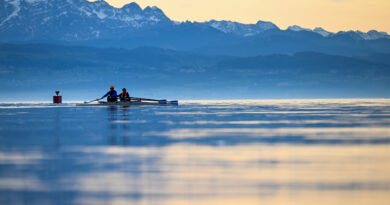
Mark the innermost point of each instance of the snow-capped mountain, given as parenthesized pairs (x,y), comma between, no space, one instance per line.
(73,20)
(358,35)
(322,32)
(92,23)
(297,28)
(241,29)
(317,30)
(371,35)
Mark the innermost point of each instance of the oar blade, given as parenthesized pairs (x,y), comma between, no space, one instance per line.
(162,102)
(174,102)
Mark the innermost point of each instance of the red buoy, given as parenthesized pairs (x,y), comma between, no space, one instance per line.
(57,99)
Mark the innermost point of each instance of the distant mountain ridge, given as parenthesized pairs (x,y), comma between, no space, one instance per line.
(370,35)
(73,20)
(98,20)
(240,29)
(84,23)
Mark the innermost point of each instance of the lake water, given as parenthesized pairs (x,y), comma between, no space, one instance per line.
(201,152)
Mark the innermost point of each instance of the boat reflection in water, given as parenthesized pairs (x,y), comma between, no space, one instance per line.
(213,152)
(118,137)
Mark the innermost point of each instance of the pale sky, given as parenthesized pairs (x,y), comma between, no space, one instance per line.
(332,15)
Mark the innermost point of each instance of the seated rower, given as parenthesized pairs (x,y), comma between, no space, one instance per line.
(111,95)
(124,96)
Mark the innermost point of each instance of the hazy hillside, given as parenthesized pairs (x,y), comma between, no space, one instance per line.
(289,42)
(37,68)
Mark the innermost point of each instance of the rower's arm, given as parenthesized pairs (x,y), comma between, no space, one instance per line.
(106,95)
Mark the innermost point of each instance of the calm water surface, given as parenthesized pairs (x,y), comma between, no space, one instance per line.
(201,152)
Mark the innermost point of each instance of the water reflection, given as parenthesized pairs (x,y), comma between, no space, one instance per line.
(119,125)
(255,152)
(207,174)
(57,127)
(112,118)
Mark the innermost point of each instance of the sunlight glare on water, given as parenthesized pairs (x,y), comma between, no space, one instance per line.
(201,152)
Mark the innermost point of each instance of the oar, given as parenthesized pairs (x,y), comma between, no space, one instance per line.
(92,100)
(146,99)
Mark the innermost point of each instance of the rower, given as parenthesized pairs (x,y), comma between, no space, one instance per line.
(124,96)
(111,95)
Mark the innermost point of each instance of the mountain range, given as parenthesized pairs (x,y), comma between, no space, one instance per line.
(82,47)
(80,22)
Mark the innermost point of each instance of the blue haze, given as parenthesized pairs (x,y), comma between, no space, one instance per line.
(81,47)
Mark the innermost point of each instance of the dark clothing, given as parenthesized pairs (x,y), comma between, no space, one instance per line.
(112,96)
(111,93)
(124,96)
(110,99)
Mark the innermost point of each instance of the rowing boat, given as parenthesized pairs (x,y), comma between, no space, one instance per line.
(131,103)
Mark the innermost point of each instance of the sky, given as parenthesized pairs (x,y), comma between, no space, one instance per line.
(332,15)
